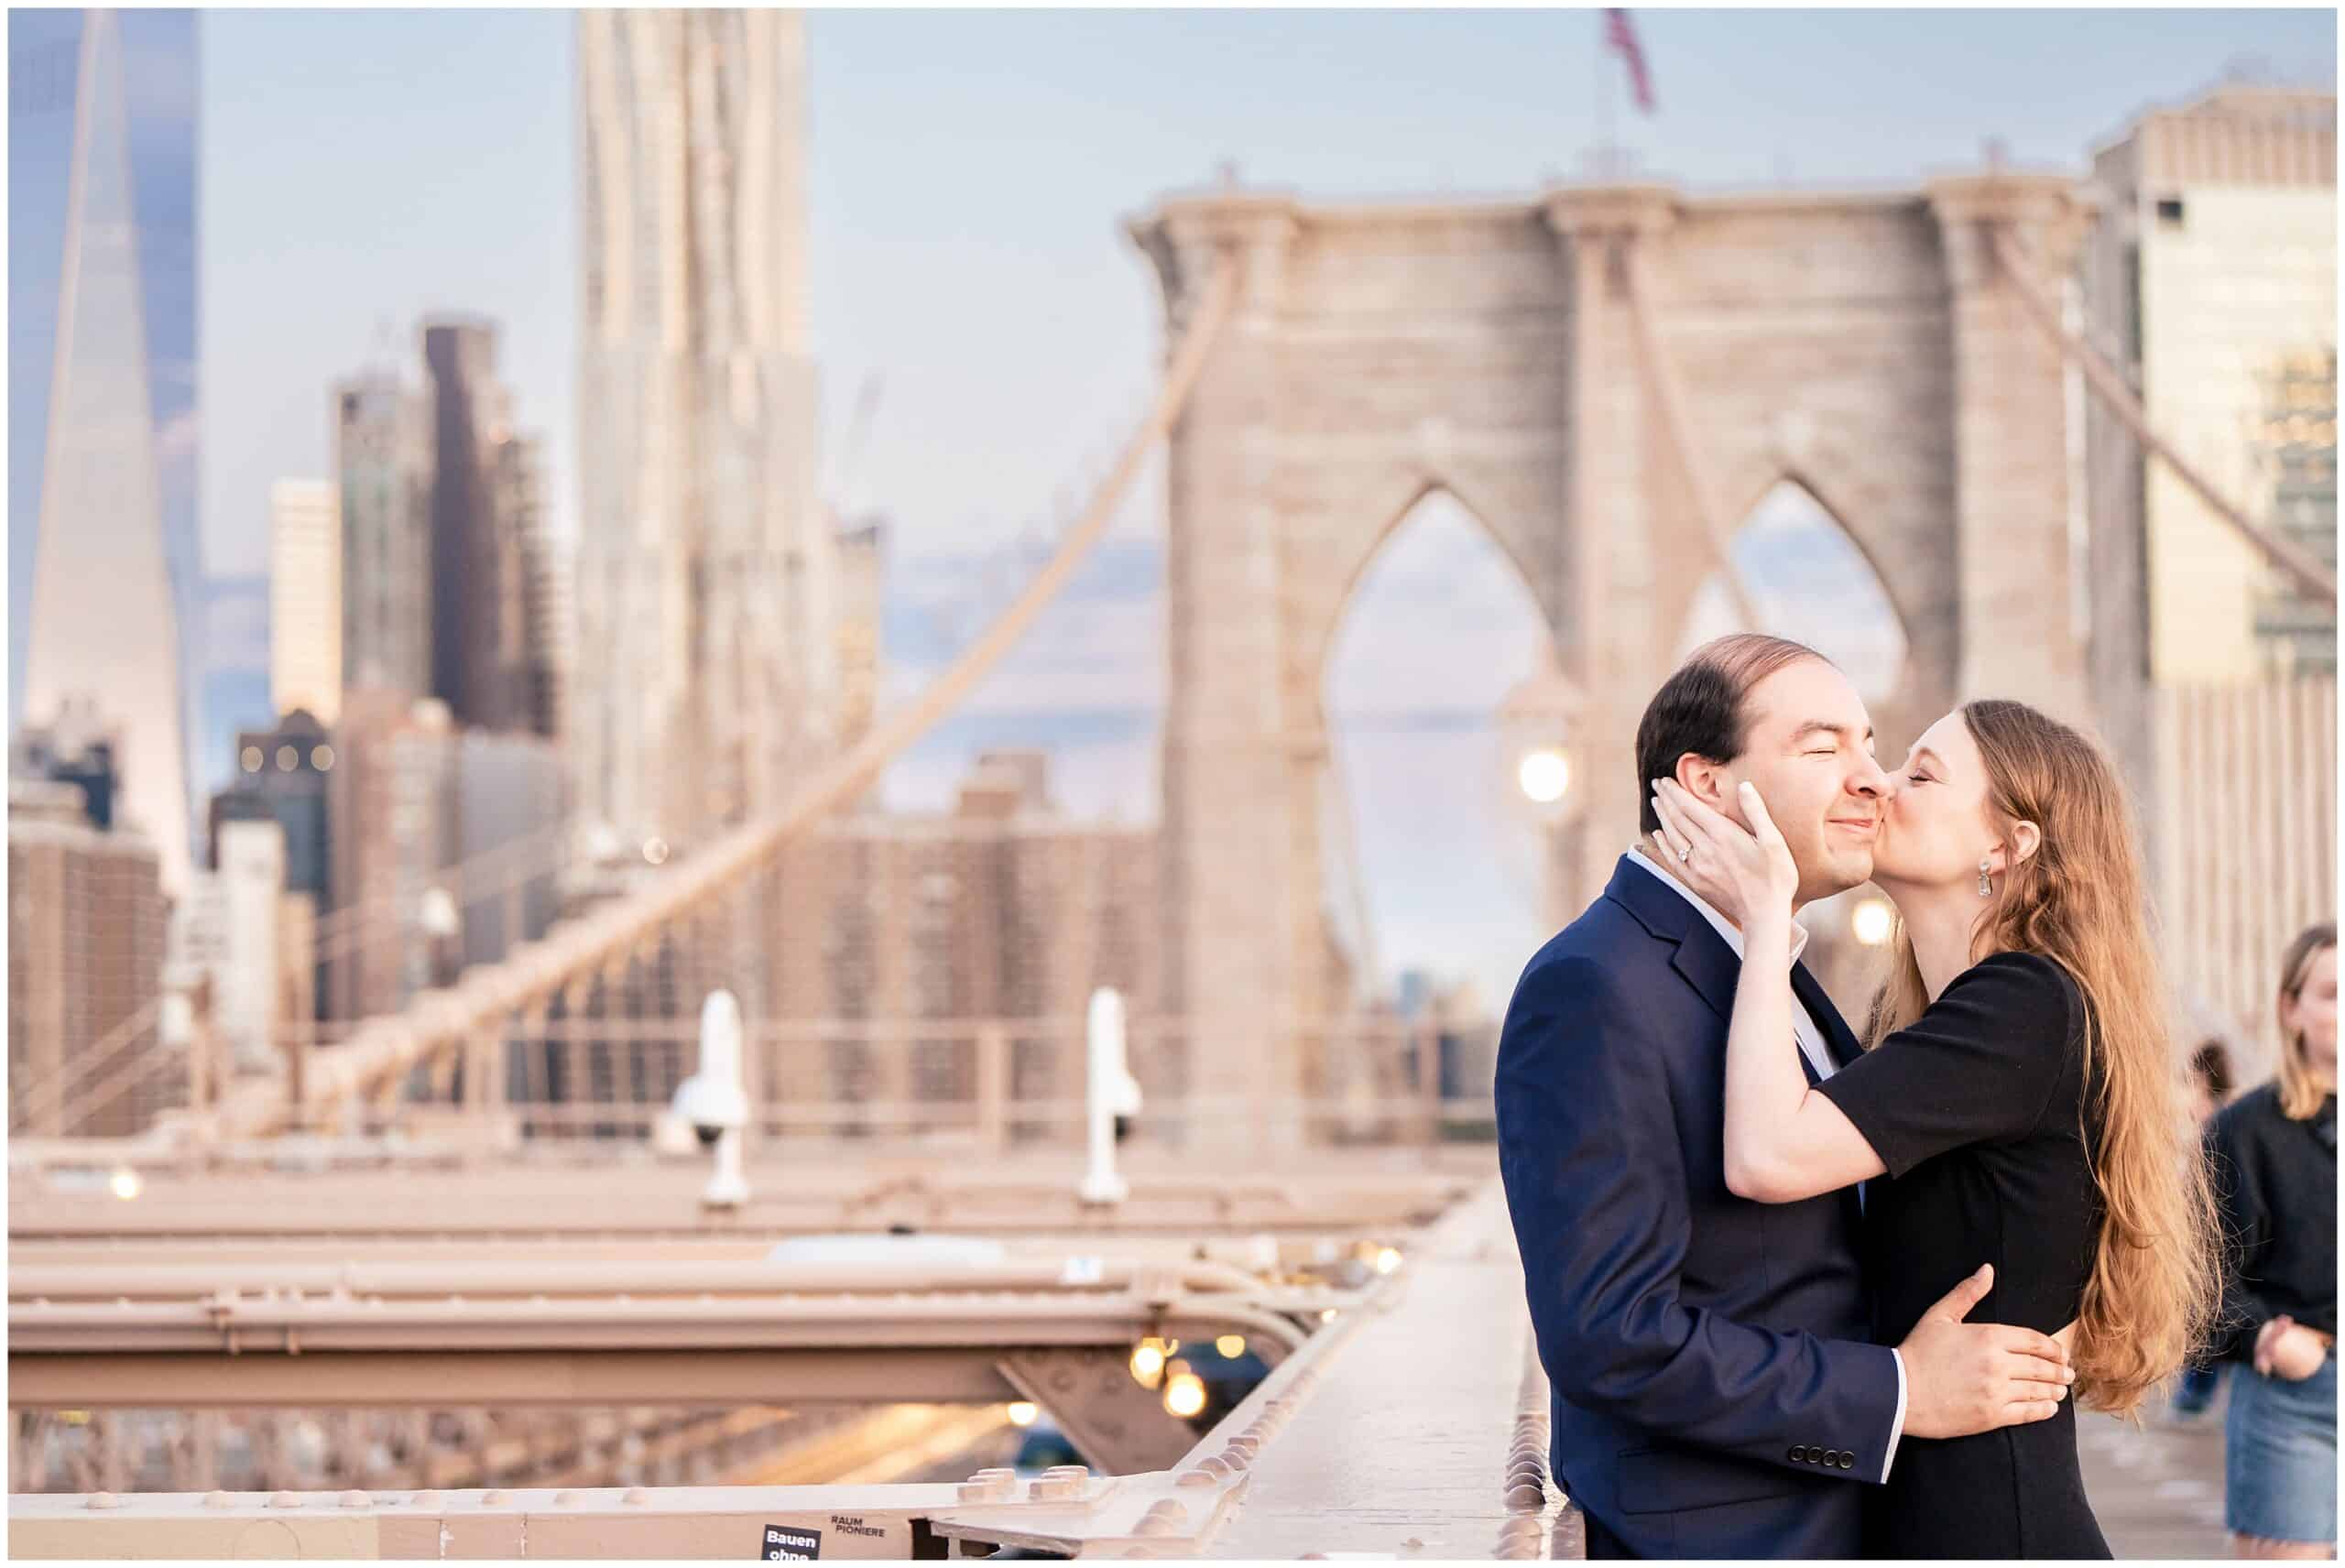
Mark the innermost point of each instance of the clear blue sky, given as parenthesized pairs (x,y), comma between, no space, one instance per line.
(968,174)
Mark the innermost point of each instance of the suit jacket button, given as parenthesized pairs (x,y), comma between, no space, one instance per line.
(1798,1456)
(1847,1461)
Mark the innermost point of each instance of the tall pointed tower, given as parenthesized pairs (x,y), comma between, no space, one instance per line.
(104,619)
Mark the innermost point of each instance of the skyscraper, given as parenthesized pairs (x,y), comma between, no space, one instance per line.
(105,577)
(488,650)
(548,619)
(86,937)
(304,598)
(382,463)
(706,668)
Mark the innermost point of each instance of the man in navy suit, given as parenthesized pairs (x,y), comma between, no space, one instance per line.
(1717,1392)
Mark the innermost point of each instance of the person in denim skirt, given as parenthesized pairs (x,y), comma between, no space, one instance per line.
(2274,1162)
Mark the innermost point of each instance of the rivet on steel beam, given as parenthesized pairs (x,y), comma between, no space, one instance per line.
(1527,1495)
(355,1498)
(564,1498)
(491,1498)
(636,1497)
(1198,1478)
(285,1500)
(1075,1472)
(1165,1517)
(428,1498)
(1235,1458)
(1215,1467)
(105,1501)
(217,1500)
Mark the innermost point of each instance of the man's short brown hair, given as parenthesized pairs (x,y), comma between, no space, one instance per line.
(1705,707)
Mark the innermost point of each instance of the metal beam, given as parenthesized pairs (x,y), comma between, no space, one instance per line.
(435,1379)
(1116,1424)
(791,1199)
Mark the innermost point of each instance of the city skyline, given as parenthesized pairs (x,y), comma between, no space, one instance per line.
(981,273)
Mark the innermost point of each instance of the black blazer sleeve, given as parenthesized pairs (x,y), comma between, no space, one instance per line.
(1596,1181)
(1982,1065)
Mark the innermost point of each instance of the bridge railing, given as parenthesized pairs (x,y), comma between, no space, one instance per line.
(993,1084)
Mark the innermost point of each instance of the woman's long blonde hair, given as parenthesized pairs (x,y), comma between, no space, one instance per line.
(2080,901)
(2300,1093)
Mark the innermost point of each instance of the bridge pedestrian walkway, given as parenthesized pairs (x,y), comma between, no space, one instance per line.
(1405,1448)
(1415,1444)
(2158,1489)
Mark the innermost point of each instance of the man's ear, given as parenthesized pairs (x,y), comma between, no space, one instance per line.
(1706,782)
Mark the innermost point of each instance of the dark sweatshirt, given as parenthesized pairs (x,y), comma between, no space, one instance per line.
(2276,1182)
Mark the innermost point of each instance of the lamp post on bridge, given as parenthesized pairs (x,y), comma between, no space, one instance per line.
(1540,728)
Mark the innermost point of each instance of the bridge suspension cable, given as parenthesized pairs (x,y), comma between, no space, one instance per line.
(445,1020)
(1671,391)
(2311,577)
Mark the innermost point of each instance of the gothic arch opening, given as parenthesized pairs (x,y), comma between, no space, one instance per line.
(1430,879)
(1808,581)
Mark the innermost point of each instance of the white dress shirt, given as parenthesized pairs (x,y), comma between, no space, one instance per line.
(1810,1045)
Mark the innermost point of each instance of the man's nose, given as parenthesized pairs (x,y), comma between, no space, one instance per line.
(1871,780)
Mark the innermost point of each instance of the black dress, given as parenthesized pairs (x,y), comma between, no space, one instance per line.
(1980,1113)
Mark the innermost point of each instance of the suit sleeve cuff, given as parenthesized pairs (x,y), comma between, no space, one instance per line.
(1896,1427)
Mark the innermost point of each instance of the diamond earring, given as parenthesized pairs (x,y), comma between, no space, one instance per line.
(1986,886)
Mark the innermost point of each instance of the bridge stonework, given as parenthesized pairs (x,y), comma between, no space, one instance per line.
(1864,345)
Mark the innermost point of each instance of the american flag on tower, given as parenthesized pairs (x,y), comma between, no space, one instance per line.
(1619,35)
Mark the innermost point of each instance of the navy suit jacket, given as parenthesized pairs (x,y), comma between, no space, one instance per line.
(1716,1392)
